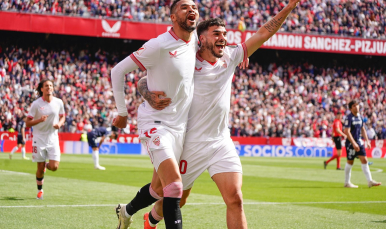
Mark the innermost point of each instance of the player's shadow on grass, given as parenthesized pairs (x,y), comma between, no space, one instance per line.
(384,221)
(11,198)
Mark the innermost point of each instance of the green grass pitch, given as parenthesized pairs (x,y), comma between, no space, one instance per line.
(278,193)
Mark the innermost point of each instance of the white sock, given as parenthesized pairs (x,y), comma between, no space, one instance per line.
(347,172)
(14,149)
(95,157)
(23,151)
(366,171)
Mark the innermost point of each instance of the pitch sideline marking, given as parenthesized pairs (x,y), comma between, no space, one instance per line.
(247,203)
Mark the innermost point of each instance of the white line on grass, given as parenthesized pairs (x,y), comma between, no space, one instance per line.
(19,173)
(377,170)
(246,203)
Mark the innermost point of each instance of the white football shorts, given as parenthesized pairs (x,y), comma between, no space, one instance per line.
(218,156)
(162,143)
(42,153)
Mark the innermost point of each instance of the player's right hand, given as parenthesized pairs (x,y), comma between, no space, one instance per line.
(120,121)
(356,147)
(43,118)
(159,100)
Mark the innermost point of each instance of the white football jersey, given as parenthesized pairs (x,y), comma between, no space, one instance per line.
(208,115)
(44,133)
(169,62)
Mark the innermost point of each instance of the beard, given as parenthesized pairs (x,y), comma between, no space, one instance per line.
(183,23)
(210,47)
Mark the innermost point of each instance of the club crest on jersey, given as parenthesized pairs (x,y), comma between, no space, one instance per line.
(41,108)
(222,63)
(198,69)
(157,141)
(140,50)
(173,54)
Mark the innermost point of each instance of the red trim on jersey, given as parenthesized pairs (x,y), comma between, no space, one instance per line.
(245,51)
(62,114)
(175,36)
(29,116)
(199,57)
(44,100)
(137,62)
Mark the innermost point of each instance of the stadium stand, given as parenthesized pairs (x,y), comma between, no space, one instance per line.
(343,18)
(281,95)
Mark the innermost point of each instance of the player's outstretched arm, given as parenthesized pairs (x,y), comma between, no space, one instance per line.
(269,28)
(156,99)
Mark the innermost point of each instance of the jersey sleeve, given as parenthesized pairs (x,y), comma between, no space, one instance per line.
(239,53)
(347,122)
(61,109)
(32,111)
(147,55)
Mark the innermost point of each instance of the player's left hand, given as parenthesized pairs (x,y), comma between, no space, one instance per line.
(56,126)
(368,144)
(244,65)
(120,121)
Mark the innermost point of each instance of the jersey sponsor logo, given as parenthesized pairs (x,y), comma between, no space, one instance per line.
(198,69)
(157,141)
(111,31)
(173,55)
(140,51)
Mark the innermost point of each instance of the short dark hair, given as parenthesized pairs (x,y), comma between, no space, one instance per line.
(40,86)
(352,103)
(204,25)
(173,6)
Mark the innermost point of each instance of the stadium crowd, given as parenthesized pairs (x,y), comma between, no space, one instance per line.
(270,100)
(345,18)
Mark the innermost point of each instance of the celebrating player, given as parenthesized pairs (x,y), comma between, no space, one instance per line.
(168,60)
(92,135)
(20,128)
(46,116)
(338,134)
(355,147)
(207,143)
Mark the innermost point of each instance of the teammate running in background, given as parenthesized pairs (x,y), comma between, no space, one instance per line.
(46,115)
(92,135)
(169,61)
(355,147)
(20,128)
(337,137)
(208,145)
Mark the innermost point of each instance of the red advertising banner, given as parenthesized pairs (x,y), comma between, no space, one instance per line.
(144,31)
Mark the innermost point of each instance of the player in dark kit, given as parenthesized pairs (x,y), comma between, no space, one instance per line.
(20,128)
(337,137)
(92,135)
(355,147)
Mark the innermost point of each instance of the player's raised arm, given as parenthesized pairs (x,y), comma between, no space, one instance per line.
(156,99)
(269,28)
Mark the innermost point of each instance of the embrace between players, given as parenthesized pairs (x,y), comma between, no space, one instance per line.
(183,124)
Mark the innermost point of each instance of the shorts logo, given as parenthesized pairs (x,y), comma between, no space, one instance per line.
(173,54)
(157,141)
(152,131)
